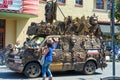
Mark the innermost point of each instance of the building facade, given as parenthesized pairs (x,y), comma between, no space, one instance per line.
(15,17)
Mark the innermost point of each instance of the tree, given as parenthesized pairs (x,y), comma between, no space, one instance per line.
(117,10)
(117,16)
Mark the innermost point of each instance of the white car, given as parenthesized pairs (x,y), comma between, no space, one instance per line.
(118,55)
(118,51)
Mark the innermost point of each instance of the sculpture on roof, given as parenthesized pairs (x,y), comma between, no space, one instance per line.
(94,28)
(50,11)
(77,26)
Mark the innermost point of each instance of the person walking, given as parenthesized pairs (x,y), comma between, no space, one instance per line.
(48,60)
(1,57)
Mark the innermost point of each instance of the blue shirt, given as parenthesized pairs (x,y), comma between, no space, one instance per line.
(55,45)
(49,55)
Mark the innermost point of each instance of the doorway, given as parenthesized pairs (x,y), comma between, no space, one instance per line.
(2,33)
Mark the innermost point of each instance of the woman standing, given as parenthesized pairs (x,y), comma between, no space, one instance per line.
(48,60)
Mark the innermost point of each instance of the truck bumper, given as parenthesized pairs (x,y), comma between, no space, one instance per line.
(17,67)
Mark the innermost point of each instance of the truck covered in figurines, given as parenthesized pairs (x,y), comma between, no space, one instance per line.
(77,45)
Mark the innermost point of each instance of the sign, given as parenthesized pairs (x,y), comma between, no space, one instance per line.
(20,6)
(11,4)
(93,52)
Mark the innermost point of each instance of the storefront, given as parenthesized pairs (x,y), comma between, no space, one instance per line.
(15,17)
(106,29)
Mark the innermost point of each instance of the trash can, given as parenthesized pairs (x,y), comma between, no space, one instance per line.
(110,78)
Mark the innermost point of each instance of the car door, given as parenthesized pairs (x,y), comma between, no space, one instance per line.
(58,58)
(67,55)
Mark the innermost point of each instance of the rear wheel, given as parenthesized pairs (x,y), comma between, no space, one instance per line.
(32,70)
(89,67)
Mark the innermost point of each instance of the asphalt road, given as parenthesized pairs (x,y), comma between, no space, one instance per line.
(6,74)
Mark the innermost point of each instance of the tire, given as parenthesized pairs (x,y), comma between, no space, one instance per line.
(1,60)
(89,68)
(32,70)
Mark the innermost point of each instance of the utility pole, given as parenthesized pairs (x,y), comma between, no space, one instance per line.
(112,34)
(113,77)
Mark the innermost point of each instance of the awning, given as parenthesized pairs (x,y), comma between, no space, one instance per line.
(6,14)
(106,29)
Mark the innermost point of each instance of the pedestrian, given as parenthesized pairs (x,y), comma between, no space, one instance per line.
(4,53)
(17,45)
(1,57)
(48,60)
(55,43)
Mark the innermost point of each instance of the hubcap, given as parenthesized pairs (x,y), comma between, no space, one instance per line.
(90,67)
(32,70)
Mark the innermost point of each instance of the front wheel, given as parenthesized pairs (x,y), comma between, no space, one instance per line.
(1,60)
(32,70)
(89,68)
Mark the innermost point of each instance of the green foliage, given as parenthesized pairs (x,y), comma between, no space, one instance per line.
(117,11)
(117,41)
(118,28)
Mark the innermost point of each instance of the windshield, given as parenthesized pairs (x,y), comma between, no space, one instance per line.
(36,41)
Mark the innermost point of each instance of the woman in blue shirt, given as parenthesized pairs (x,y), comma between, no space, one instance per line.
(48,60)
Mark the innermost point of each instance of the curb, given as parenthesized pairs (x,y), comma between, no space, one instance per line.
(3,66)
(112,60)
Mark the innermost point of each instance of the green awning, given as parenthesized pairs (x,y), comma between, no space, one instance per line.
(6,14)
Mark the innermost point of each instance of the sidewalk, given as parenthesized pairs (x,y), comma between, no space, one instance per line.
(2,66)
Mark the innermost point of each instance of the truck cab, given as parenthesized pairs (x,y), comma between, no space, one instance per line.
(69,53)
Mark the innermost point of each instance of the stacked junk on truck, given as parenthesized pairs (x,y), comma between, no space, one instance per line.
(86,30)
(81,47)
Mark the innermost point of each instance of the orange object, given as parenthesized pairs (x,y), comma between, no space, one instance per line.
(30,2)
(30,7)
(30,12)
(27,7)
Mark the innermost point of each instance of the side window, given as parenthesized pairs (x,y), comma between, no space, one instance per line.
(55,42)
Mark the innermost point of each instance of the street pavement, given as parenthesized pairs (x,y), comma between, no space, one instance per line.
(7,74)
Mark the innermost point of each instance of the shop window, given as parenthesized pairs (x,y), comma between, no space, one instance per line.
(99,4)
(2,33)
(78,2)
(108,4)
(2,23)
(61,1)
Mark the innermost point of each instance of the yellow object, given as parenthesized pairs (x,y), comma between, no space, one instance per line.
(56,66)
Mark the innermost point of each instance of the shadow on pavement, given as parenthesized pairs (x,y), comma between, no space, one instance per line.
(11,75)
(72,73)
(14,75)
(82,79)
